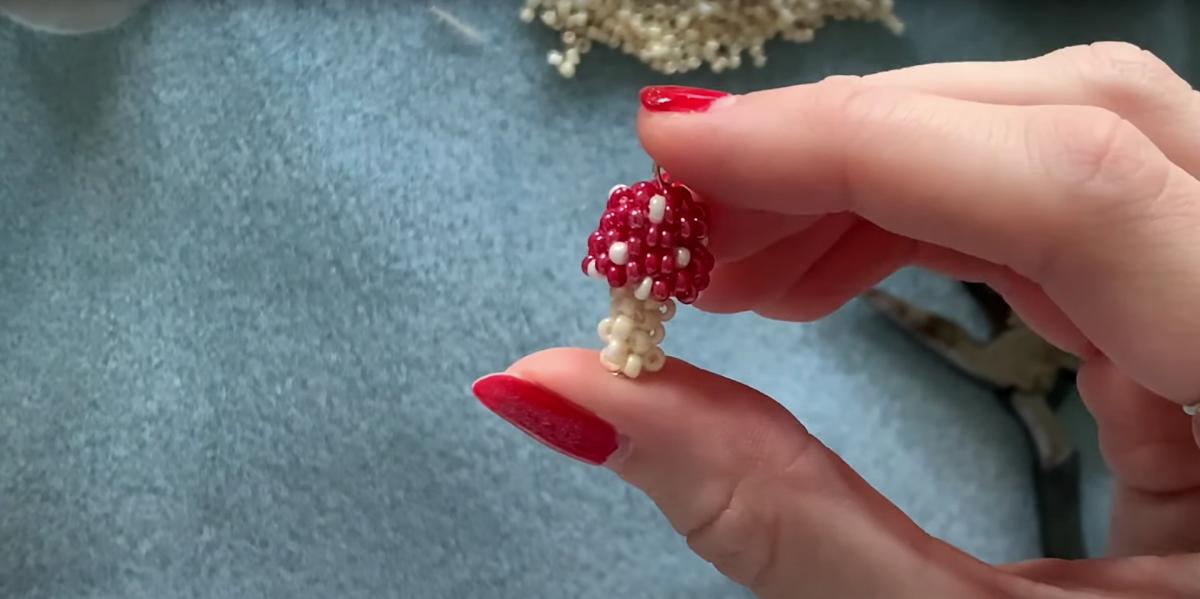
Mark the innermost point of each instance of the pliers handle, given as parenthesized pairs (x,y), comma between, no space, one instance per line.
(1031,377)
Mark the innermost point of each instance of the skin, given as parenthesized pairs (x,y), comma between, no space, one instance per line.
(1068,182)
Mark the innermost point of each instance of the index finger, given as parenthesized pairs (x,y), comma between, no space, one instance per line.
(1073,198)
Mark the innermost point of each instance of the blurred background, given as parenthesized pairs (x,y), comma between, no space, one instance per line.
(252,255)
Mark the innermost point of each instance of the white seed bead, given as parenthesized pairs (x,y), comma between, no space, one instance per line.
(682,257)
(1192,410)
(528,15)
(633,366)
(644,288)
(554,57)
(658,208)
(622,328)
(618,252)
(604,329)
(615,352)
(592,272)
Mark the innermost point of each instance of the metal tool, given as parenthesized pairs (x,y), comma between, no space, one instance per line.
(1031,377)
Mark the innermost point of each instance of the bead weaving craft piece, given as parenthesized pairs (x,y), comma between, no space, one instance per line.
(678,36)
(651,249)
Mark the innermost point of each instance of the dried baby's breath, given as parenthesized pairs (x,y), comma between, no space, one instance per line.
(684,35)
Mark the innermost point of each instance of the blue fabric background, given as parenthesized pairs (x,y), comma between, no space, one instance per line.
(252,254)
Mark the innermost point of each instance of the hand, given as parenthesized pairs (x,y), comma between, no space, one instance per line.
(1068,183)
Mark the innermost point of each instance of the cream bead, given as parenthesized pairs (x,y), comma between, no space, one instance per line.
(633,366)
(682,257)
(615,352)
(622,328)
(643,289)
(657,334)
(684,36)
(658,209)
(604,329)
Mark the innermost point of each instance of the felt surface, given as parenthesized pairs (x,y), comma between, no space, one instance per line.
(252,254)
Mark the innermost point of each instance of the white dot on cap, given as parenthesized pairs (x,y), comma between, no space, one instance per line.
(658,208)
(682,257)
(618,252)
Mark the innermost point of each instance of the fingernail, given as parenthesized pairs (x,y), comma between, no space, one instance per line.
(675,98)
(548,417)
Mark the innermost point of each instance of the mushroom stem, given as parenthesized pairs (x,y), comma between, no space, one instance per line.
(632,333)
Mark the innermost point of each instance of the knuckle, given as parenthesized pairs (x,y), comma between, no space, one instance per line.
(733,540)
(1103,172)
(851,110)
(1096,154)
(1125,76)
(740,538)
(847,102)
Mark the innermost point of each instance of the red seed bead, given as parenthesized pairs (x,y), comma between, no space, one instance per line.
(660,290)
(652,234)
(699,229)
(670,215)
(633,271)
(651,262)
(603,264)
(666,238)
(642,190)
(613,236)
(616,277)
(636,248)
(609,221)
(684,291)
(637,218)
(700,281)
(702,257)
(667,262)
(596,243)
(619,196)
(685,228)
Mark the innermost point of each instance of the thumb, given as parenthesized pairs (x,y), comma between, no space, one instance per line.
(754,493)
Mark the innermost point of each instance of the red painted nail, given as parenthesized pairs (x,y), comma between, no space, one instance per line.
(547,417)
(675,98)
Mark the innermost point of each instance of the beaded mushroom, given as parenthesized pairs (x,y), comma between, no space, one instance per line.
(651,248)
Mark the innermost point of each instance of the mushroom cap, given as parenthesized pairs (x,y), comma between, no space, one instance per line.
(652,236)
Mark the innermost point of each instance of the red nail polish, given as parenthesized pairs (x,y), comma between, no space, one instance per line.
(547,417)
(675,98)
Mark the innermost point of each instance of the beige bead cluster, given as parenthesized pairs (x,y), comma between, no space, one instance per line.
(678,36)
(632,333)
